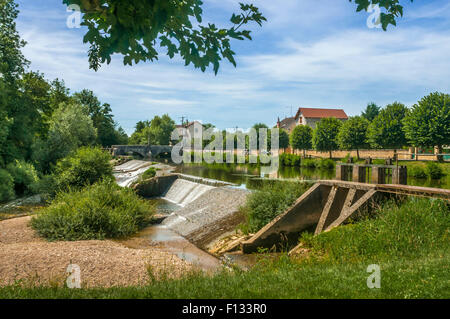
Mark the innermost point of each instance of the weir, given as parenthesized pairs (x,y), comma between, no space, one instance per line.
(328,204)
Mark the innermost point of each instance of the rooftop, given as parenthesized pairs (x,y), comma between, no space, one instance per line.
(321,113)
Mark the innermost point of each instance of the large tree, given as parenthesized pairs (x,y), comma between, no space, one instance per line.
(301,138)
(428,122)
(371,112)
(158,131)
(325,135)
(283,139)
(70,128)
(386,130)
(102,118)
(353,134)
(138,29)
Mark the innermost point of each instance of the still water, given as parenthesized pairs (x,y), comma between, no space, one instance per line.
(250,176)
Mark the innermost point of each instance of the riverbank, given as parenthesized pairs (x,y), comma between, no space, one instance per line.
(26,259)
(409,243)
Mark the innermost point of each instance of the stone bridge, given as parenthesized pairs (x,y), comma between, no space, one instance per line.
(145,151)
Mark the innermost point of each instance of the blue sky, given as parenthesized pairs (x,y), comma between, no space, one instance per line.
(309,54)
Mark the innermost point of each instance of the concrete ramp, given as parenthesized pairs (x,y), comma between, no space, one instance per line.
(325,205)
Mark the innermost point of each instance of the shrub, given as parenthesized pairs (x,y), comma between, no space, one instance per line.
(326,163)
(309,163)
(417,172)
(151,172)
(267,203)
(103,210)
(6,186)
(24,175)
(434,170)
(84,167)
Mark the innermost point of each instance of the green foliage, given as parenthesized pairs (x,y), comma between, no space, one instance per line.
(309,163)
(6,186)
(70,128)
(392,7)
(301,137)
(386,130)
(428,122)
(417,172)
(434,171)
(416,228)
(99,211)
(272,199)
(327,163)
(12,62)
(158,131)
(325,135)
(284,139)
(290,160)
(353,133)
(150,173)
(84,167)
(137,29)
(371,112)
(24,175)
(102,119)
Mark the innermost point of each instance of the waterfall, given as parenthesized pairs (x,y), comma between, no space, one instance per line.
(183,192)
(129,172)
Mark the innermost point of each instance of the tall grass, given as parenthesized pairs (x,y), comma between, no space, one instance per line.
(416,228)
(102,210)
(268,202)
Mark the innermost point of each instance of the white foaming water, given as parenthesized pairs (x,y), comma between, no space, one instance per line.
(129,172)
(183,192)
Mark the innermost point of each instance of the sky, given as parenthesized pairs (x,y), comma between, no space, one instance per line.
(309,53)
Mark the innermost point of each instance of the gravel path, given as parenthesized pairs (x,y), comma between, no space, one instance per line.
(27,258)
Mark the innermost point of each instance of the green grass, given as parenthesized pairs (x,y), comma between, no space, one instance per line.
(410,243)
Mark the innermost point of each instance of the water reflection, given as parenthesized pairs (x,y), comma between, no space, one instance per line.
(248,176)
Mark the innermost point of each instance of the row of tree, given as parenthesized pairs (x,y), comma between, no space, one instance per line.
(40,120)
(426,124)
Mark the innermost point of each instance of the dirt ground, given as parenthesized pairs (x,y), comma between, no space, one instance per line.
(29,260)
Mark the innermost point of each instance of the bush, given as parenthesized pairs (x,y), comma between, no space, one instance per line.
(309,163)
(103,210)
(272,199)
(326,163)
(6,186)
(151,172)
(417,172)
(434,171)
(85,167)
(24,175)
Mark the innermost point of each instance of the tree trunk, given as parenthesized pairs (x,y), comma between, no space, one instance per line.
(357,154)
(331,155)
(304,153)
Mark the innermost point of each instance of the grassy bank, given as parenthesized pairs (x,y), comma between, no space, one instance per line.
(409,242)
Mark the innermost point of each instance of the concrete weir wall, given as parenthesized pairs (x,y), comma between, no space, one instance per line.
(208,208)
(322,207)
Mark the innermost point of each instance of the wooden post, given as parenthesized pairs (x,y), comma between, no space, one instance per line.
(400,175)
(378,174)
(341,172)
(359,174)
